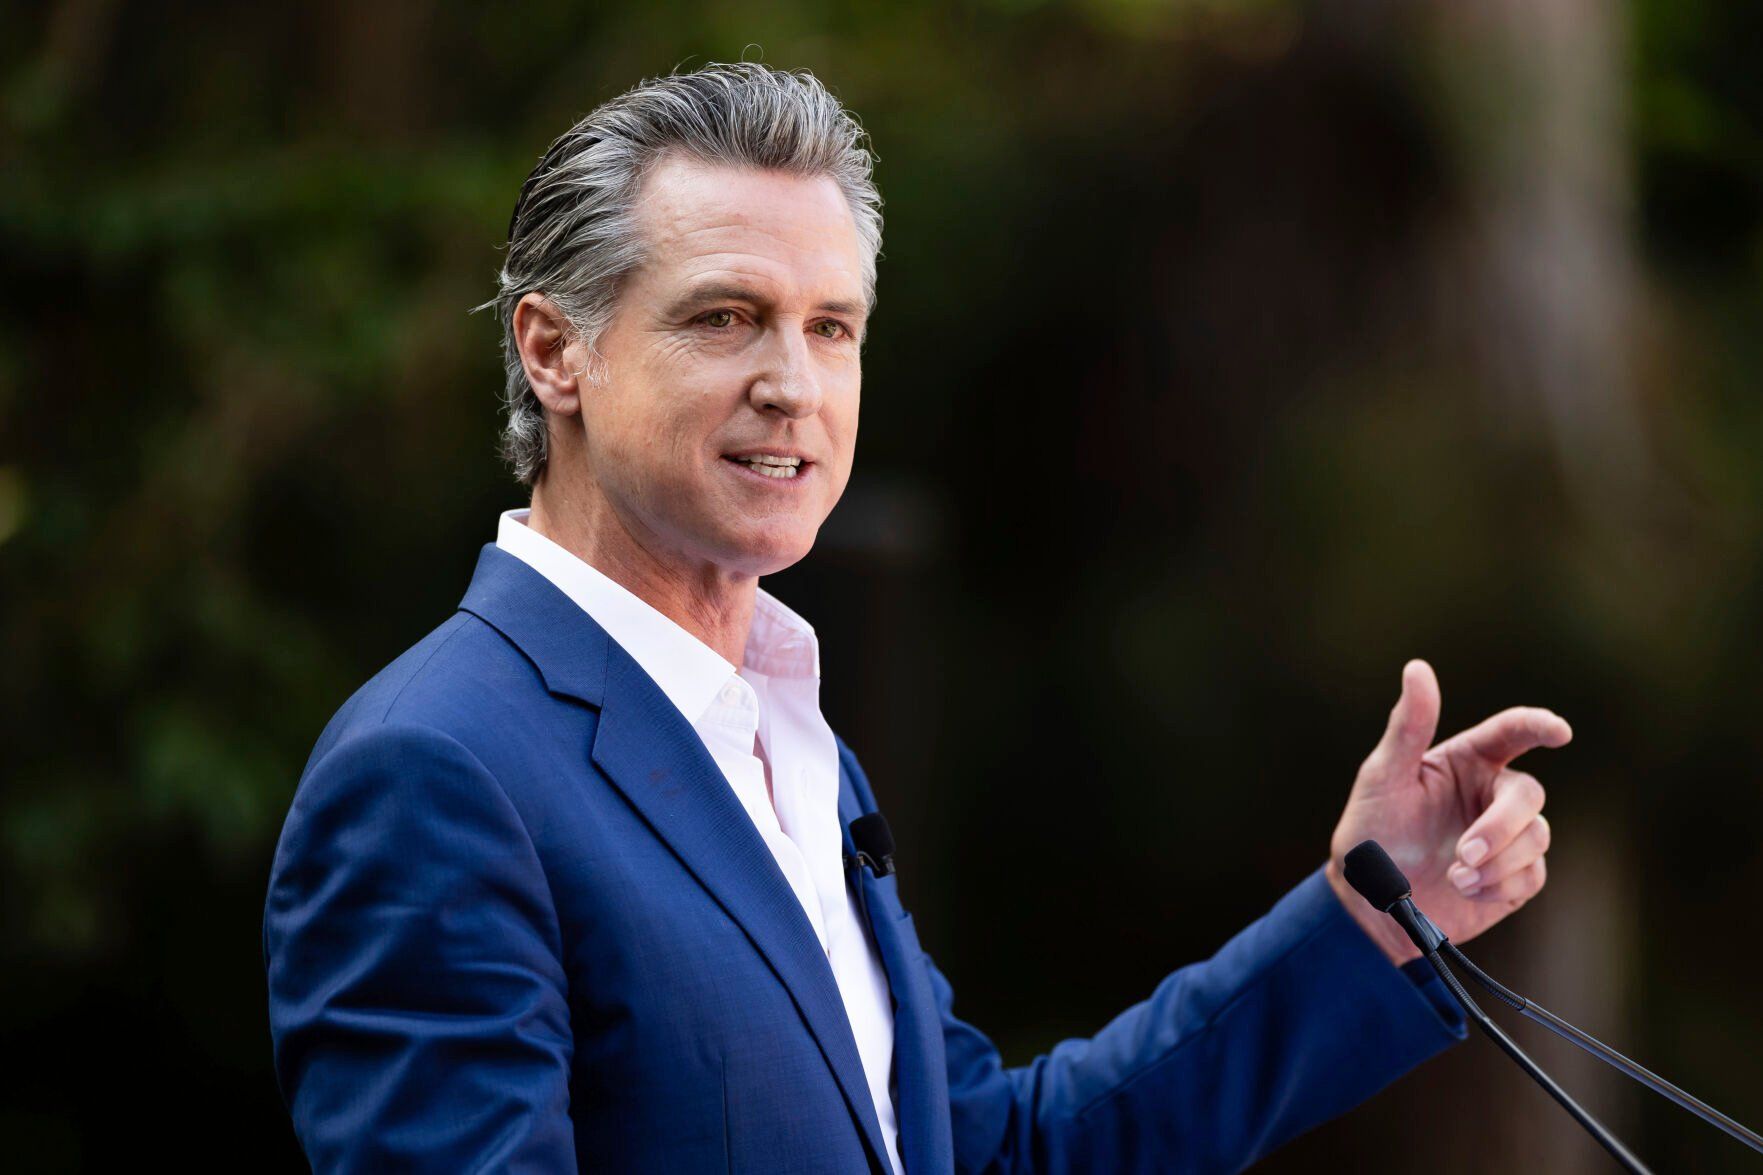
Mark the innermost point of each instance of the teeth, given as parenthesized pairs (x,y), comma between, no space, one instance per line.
(762,459)
(780,467)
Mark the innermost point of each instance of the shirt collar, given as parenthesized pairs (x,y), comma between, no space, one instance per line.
(779,643)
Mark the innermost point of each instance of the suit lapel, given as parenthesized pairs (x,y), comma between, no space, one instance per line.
(652,755)
(921,1096)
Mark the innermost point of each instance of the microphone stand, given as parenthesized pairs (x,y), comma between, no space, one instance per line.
(1377,879)
(1603,1052)
(1595,1128)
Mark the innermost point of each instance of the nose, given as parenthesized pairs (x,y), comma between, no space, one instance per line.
(788,381)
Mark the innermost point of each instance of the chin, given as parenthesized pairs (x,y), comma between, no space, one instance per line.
(767,554)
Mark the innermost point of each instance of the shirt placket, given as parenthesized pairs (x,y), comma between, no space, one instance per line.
(734,717)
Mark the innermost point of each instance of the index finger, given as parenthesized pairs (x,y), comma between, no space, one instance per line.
(1512,732)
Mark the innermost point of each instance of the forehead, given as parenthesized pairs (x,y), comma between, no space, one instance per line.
(797,232)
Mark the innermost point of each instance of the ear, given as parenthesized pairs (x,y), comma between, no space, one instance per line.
(552,355)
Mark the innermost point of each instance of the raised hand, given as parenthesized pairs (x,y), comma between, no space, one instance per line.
(1466,828)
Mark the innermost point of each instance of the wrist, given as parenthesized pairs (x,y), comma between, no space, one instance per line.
(1379,927)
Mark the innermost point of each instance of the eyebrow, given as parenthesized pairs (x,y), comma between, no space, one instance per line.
(704,295)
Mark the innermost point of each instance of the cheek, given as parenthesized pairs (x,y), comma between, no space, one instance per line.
(660,418)
(841,423)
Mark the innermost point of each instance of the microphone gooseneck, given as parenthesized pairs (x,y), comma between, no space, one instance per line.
(1508,1046)
(1591,1044)
(1377,879)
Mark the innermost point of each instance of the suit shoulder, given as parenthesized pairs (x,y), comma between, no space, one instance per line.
(452,681)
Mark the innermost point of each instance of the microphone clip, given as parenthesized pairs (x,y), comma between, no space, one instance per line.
(860,859)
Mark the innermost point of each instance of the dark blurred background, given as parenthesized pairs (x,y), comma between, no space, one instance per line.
(1230,352)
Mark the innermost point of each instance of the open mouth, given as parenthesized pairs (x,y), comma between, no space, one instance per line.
(766,465)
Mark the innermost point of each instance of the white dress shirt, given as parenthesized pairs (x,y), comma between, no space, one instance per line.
(771,704)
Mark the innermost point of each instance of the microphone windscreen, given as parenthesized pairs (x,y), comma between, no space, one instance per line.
(1377,878)
(871,835)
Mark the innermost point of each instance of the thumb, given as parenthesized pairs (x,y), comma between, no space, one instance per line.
(1414,721)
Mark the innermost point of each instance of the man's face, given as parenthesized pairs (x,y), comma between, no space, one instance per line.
(735,345)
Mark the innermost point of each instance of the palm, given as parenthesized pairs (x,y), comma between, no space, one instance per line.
(1419,802)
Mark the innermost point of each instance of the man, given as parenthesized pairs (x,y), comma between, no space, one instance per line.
(565,884)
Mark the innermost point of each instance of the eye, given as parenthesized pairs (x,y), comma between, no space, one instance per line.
(719,319)
(838,328)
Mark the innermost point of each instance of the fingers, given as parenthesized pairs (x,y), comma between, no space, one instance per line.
(1526,849)
(1512,732)
(1518,798)
(1518,888)
(1414,720)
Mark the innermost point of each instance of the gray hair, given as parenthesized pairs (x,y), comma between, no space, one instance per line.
(573,234)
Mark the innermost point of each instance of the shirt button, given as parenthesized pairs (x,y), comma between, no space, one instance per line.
(731,694)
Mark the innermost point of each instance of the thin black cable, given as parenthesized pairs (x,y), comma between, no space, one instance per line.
(1596,1047)
(1500,991)
(1605,1139)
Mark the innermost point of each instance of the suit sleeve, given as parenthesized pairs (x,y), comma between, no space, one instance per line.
(1295,1020)
(417,1001)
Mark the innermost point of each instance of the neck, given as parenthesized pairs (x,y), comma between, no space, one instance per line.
(708,602)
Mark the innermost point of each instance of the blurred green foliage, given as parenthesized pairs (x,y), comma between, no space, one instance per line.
(1194,433)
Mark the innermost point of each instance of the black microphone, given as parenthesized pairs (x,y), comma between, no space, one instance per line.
(1377,879)
(874,842)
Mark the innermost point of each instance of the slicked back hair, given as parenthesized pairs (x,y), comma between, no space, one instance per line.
(573,235)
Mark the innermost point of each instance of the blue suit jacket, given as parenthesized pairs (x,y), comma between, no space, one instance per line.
(517,921)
